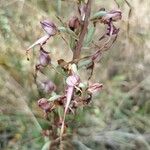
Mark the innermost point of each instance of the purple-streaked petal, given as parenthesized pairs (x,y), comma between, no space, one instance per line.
(74,23)
(115,15)
(49,27)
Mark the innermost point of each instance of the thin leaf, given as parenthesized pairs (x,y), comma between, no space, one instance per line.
(67,30)
(90,68)
(46,146)
(84,62)
(89,36)
(58,6)
(72,42)
(53,98)
(98,15)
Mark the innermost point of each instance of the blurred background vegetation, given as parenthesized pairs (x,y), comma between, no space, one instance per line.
(117,119)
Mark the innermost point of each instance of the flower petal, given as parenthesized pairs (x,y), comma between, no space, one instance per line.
(44,57)
(115,15)
(49,27)
(40,41)
(73,80)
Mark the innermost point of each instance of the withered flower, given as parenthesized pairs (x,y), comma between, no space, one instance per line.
(63,64)
(88,99)
(49,27)
(39,67)
(62,99)
(44,104)
(94,87)
(74,23)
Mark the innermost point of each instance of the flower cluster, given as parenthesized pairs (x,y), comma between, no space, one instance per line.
(108,18)
(75,93)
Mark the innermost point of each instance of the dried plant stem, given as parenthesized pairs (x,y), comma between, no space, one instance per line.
(117,3)
(129,16)
(76,55)
(77,49)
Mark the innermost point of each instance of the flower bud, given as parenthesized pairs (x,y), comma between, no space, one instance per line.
(44,58)
(49,27)
(95,87)
(74,23)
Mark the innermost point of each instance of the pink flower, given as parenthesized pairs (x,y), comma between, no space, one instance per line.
(44,58)
(112,30)
(95,87)
(49,27)
(73,80)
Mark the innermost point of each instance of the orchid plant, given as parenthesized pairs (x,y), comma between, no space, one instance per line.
(76,93)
